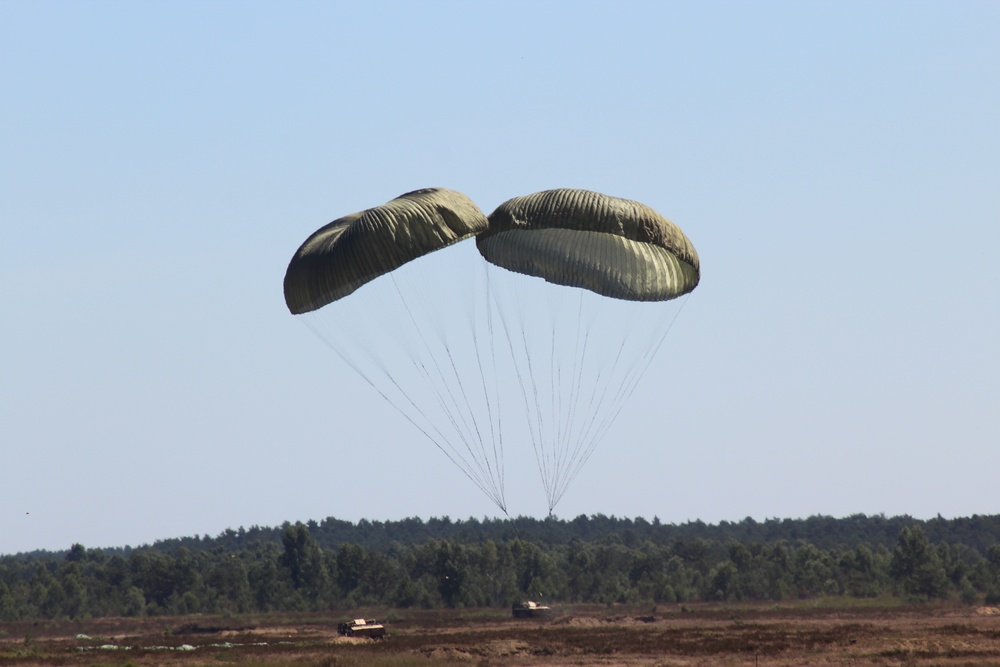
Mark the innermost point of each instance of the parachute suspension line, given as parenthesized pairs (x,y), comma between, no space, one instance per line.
(553,453)
(453,409)
(491,470)
(627,387)
(540,446)
(534,419)
(670,325)
(590,413)
(449,410)
(395,393)
(591,435)
(642,366)
(574,380)
(582,436)
(574,435)
(478,440)
(496,470)
(534,425)
(598,394)
(600,403)
(565,445)
(496,428)
(436,441)
(617,402)
(613,345)
(631,380)
(589,387)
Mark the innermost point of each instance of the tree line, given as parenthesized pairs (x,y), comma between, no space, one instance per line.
(442,563)
(978,532)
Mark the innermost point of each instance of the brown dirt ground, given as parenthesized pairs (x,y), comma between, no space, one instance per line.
(810,633)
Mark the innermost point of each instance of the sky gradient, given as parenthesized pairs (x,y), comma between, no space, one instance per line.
(836,165)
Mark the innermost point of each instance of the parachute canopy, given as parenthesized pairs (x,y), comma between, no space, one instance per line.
(342,256)
(481,354)
(614,247)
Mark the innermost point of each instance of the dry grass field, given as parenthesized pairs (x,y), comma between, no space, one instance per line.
(831,632)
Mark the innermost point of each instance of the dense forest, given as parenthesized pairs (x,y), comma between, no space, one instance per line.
(336,564)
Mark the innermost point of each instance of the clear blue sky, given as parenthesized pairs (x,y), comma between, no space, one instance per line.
(836,164)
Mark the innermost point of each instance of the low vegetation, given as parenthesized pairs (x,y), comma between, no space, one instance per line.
(942,634)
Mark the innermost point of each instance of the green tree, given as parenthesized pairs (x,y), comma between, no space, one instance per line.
(864,575)
(813,571)
(75,601)
(916,566)
(8,605)
(305,563)
(495,573)
(378,574)
(450,569)
(267,586)
(76,554)
(990,574)
(350,566)
(723,582)
(134,603)
(297,543)
(228,583)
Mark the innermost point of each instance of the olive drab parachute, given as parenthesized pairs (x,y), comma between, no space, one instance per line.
(581,343)
(342,256)
(397,296)
(542,343)
(611,246)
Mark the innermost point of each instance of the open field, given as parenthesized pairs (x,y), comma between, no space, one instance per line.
(838,632)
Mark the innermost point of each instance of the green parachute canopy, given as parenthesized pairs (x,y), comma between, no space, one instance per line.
(578,238)
(536,335)
(342,256)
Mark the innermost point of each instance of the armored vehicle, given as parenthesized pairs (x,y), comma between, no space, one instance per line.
(530,609)
(360,627)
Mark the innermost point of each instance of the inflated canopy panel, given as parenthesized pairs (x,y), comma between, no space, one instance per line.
(614,247)
(342,256)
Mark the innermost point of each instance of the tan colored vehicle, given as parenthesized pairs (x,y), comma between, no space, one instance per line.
(530,609)
(360,627)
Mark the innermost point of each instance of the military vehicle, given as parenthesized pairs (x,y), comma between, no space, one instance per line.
(360,627)
(530,609)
